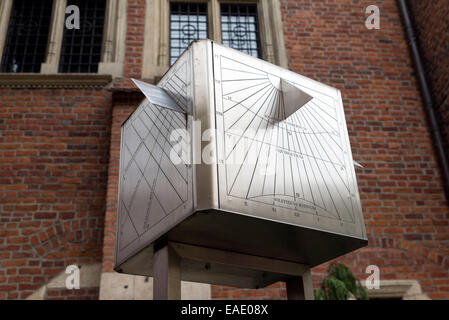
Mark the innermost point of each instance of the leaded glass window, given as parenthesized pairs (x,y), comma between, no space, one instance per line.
(81,48)
(188,22)
(26,40)
(239,28)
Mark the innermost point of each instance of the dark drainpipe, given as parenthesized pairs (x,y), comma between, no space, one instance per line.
(426,94)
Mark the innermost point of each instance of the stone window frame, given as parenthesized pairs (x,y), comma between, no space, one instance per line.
(113,53)
(157,31)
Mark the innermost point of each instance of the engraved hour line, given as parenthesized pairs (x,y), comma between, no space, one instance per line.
(168,128)
(181,88)
(310,187)
(160,111)
(153,194)
(269,149)
(227,157)
(324,149)
(146,165)
(289,148)
(296,152)
(246,72)
(160,204)
(276,154)
(268,73)
(316,158)
(288,144)
(171,128)
(324,119)
(340,162)
(235,179)
(275,122)
(140,180)
(163,149)
(313,172)
(132,159)
(324,180)
(269,83)
(296,160)
(246,111)
(178,89)
(127,147)
(336,130)
(262,144)
(232,80)
(163,152)
(344,201)
(259,84)
(304,165)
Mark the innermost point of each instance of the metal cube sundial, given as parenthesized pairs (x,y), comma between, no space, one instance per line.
(282,184)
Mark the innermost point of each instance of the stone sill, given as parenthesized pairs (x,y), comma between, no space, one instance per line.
(54,81)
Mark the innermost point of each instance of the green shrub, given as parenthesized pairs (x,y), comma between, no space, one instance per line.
(340,284)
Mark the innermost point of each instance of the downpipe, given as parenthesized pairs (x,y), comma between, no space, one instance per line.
(427,96)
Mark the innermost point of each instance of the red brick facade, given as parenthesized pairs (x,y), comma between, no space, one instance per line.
(53,170)
(59,152)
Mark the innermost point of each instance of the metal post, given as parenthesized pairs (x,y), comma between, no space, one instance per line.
(300,288)
(167,274)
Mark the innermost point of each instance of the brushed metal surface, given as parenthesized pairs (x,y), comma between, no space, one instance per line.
(282,182)
(297,170)
(154,192)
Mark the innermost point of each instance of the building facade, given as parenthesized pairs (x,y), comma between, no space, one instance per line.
(65,91)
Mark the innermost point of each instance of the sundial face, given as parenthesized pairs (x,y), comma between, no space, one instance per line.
(155,184)
(294,168)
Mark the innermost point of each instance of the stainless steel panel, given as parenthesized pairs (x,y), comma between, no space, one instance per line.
(154,192)
(297,170)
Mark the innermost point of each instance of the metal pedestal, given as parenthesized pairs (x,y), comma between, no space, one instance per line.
(170,259)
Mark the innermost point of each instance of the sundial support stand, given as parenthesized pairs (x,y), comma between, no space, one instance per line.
(167,274)
(168,257)
(245,169)
(300,288)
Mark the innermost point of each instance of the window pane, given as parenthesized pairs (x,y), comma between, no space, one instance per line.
(27,36)
(188,22)
(81,48)
(239,28)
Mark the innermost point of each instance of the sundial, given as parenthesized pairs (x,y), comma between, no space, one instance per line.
(278,182)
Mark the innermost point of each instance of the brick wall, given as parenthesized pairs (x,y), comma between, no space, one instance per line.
(54,147)
(59,152)
(432,26)
(82,294)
